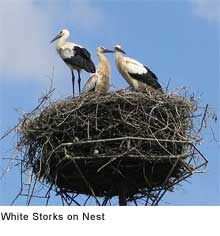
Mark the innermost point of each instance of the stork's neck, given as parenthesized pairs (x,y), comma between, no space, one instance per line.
(103,65)
(118,58)
(60,42)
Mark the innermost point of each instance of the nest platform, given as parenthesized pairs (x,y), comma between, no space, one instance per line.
(124,143)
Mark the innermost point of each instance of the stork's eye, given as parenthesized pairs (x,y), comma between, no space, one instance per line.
(61,32)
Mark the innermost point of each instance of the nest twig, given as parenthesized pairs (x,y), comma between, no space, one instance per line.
(97,144)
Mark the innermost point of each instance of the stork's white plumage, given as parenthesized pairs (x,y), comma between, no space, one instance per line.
(75,56)
(99,82)
(138,76)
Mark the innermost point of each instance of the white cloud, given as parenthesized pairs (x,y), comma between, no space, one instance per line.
(208,9)
(27,26)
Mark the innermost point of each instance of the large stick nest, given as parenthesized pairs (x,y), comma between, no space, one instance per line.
(95,143)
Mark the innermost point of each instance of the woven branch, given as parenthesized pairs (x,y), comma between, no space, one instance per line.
(93,143)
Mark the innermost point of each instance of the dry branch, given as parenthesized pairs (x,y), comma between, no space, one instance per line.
(93,143)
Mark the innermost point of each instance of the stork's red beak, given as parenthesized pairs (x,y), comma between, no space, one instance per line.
(54,39)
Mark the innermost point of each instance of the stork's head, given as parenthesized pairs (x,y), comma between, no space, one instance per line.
(118,48)
(62,34)
(103,50)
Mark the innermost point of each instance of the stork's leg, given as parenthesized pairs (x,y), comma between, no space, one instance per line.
(79,81)
(73,80)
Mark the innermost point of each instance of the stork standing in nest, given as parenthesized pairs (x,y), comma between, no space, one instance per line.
(74,55)
(99,82)
(138,76)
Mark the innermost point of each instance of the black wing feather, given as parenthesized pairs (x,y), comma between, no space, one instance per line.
(82,51)
(148,78)
(81,58)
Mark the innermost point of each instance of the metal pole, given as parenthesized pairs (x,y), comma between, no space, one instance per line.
(122,195)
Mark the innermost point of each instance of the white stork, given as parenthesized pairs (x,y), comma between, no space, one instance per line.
(138,76)
(75,56)
(99,82)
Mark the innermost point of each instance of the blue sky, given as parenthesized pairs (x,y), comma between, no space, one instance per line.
(177,39)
